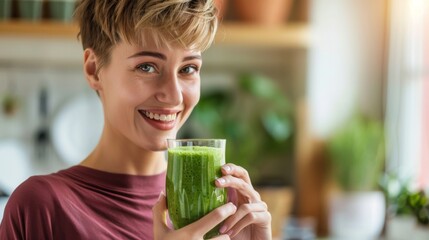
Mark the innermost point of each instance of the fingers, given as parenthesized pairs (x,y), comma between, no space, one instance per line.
(240,181)
(196,229)
(243,212)
(211,220)
(252,213)
(246,190)
(221,237)
(159,212)
(258,219)
(236,171)
(251,209)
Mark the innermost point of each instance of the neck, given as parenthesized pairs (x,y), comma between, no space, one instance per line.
(117,154)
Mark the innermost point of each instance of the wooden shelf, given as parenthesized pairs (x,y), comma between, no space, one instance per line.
(56,44)
(38,44)
(38,29)
(292,35)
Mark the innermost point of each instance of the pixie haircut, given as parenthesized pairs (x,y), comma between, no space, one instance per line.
(190,24)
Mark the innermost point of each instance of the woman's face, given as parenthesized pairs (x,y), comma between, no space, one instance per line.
(148,92)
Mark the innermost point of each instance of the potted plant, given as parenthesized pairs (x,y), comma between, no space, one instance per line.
(408,210)
(357,155)
(256,118)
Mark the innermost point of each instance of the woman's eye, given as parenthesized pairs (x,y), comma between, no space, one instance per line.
(189,69)
(146,68)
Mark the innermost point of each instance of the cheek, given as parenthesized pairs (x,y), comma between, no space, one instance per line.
(192,96)
(120,94)
(196,96)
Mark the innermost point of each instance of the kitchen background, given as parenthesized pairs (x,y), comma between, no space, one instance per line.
(293,90)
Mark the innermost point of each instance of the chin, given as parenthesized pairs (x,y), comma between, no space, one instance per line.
(157,145)
(154,147)
(160,148)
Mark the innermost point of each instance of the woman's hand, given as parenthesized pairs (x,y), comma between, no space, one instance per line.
(194,231)
(251,221)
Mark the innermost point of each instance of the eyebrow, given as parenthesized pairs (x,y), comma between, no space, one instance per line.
(192,57)
(162,56)
(151,54)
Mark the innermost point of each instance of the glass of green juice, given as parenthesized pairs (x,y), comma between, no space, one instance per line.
(193,167)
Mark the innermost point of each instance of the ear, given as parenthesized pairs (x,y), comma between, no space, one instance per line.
(90,66)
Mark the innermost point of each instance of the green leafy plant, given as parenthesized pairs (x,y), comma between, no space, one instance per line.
(402,201)
(357,154)
(396,192)
(418,202)
(256,118)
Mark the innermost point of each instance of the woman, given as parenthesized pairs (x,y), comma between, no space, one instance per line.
(143,58)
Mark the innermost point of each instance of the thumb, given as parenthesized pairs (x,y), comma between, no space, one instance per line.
(159,212)
(221,237)
(211,220)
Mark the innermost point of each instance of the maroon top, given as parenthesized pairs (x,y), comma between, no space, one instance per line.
(82,203)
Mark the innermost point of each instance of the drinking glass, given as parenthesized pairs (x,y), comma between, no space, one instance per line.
(193,167)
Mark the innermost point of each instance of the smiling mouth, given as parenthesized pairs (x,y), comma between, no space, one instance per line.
(159,117)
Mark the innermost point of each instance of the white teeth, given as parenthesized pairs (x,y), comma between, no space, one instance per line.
(161,117)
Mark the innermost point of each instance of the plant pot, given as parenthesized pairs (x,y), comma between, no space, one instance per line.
(267,13)
(357,215)
(403,227)
(400,227)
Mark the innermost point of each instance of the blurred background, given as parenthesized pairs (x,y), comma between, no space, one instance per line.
(326,103)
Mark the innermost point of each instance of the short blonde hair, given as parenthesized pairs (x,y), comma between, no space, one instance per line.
(104,23)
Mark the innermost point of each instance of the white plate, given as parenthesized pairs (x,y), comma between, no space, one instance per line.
(15,165)
(77,128)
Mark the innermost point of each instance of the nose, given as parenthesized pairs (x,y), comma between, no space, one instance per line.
(169,91)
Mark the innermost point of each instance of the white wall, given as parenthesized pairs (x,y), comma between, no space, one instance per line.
(345,62)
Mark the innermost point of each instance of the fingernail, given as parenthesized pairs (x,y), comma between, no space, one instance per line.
(221,181)
(234,208)
(223,229)
(227,168)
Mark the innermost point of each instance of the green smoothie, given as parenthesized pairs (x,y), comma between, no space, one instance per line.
(191,192)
